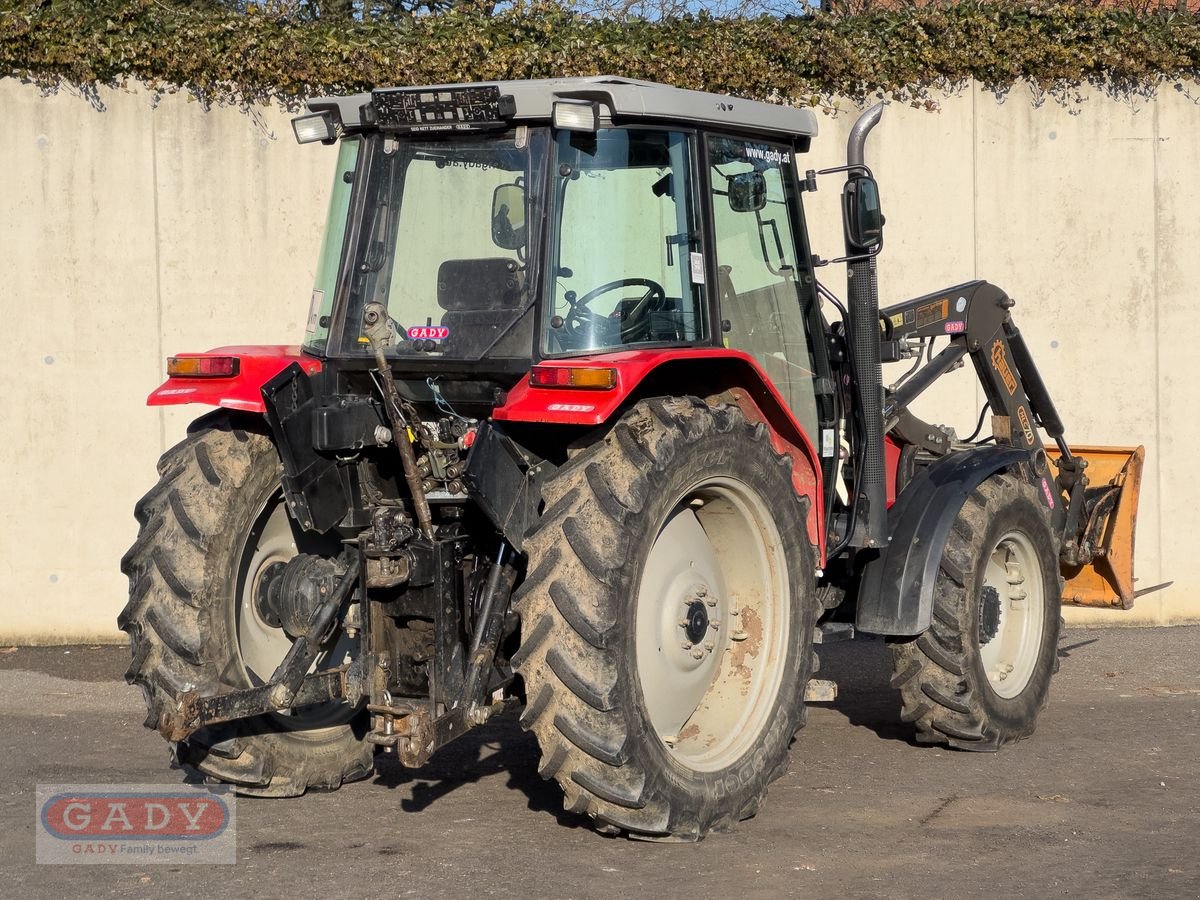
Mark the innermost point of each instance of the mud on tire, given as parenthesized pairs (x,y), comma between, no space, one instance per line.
(953,689)
(587,702)
(184,573)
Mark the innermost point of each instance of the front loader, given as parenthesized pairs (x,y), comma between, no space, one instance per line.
(575,430)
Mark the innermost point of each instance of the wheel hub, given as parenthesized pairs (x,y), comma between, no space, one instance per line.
(287,595)
(696,621)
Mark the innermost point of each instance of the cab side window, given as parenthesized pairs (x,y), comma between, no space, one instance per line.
(756,266)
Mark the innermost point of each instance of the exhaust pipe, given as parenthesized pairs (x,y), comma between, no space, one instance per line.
(862,289)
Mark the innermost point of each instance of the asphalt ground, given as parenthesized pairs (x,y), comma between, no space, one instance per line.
(1103,801)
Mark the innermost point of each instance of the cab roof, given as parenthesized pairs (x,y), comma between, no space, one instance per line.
(621,100)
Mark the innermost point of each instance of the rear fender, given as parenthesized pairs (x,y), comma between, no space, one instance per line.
(256,366)
(895,595)
(716,374)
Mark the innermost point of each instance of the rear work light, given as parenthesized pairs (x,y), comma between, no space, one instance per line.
(573,377)
(202,366)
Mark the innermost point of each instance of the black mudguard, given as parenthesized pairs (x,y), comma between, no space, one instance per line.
(895,595)
(312,483)
(505,479)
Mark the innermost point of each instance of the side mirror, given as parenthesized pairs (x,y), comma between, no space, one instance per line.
(508,217)
(747,191)
(863,217)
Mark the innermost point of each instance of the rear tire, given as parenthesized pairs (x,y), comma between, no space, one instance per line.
(202,537)
(979,677)
(651,720)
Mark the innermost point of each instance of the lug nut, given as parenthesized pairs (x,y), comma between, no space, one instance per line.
(686,645)
(697,653)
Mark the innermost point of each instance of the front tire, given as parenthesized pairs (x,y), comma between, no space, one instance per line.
(667,621)
(979,677)
(211,525)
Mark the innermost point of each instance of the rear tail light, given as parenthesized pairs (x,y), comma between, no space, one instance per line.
(202,366)
(573,377)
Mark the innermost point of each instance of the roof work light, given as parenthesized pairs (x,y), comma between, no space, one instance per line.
(576,115)
(315,127)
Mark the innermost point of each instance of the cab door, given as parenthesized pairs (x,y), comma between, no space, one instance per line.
(765,296)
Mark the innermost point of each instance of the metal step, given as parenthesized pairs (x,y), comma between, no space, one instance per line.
(831,632)
(819,690)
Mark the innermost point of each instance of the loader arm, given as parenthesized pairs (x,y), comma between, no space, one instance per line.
(975,316)
(1094,515)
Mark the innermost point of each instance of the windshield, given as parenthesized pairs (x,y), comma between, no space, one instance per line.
(445,244)
(626,266)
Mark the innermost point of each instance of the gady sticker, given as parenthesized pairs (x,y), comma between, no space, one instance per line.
(1049,495)
(428,333)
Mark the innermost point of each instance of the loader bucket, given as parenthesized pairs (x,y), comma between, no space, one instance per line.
(1110,516)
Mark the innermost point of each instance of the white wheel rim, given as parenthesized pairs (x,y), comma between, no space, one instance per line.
(717,560)
(1014,573)
(261,646)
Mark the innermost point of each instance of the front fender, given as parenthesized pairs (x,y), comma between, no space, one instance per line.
(256,366)
(895,594)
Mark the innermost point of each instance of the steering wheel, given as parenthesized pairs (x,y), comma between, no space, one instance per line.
(581,320)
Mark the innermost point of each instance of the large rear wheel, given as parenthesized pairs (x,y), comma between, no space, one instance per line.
(979,677)
(210,529)
(667,621)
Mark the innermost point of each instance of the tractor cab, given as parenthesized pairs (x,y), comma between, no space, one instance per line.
(529,221)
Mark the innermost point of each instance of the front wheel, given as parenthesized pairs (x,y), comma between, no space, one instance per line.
(979,677)
(667,621)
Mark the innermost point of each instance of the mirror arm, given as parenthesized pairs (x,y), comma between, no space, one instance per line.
(858,169)
(858,257)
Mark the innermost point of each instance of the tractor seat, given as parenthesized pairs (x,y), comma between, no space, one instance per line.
(480,298)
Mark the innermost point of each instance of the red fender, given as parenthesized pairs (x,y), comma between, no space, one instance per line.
(243,391)
(709,372)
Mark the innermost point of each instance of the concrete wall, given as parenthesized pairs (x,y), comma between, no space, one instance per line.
(147,228)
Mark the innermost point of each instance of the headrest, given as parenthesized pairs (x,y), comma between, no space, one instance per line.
(479,284)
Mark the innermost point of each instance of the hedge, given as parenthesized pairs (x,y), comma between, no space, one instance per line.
(264,55)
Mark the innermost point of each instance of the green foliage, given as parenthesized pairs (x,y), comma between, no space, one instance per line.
(269,52)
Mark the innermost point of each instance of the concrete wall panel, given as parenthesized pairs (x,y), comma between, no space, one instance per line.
(78,300)
(1172,363)
(152,228)
(1066,220)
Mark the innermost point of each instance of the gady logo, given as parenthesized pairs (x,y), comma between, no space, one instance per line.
(135,824)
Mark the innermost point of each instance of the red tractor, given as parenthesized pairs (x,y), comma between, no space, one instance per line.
(575,428)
